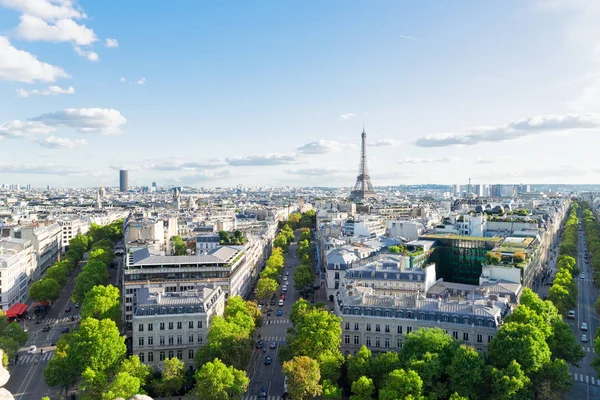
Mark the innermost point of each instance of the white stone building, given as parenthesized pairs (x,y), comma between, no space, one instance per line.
(17,264)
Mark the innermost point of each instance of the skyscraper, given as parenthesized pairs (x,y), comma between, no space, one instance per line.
(123,180)
(363,189)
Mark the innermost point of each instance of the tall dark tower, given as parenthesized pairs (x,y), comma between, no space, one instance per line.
(363,189)
(123,180)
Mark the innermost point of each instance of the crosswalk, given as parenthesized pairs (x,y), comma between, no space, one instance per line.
(49,321)
(276,321)
(277,339)
(29,358)
(588,349)
(590,380)
(255,397)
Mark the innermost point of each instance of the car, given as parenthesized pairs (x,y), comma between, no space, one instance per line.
(315,287)
(571,314)
(289,266)
(284,289)
(280,302)
(53,344)
(65,330)
(584,326)
(68,309)
(584,339)
(260,307)
(76,305)
(37,322)
(283,297)
(581,276)
(287,273)
(260,344)
(272,345)
(285,279)
(272,302)
(32,350)
(263,393)
(279,313)
(267,360)
(46,328)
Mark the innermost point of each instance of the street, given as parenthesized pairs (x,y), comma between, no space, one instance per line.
(27,376)
(274,329)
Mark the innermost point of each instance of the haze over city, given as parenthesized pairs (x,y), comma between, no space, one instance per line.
(276,94)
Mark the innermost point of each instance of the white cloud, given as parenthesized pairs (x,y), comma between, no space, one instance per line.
(170,165)
(346,116)
(262,160)
(64,30)
(21,66)
(322,147)
(444,160)
(122,79)
(49,169)
(51,91)
(53,142)
(86,120)
(384,143)
(46,9)
(90,55)
(319,171)
(493,160)
(513,130)
(15,129)
(111,43)
(141,81)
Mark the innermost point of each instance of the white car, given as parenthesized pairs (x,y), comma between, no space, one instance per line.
(31,350)
(284,289)
(260,307)
(584,326)
(582,276)
(584,339)
(280,303)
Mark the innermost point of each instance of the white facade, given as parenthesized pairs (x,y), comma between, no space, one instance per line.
(72,225)
(47,244)
(17,264)
(405,229)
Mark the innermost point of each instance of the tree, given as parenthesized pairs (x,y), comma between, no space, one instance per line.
(359,364)
(562,298)
(59,272)
(224,237)
(424,340)
(401,384)
(269,273)
(217,381)
(294,220)
(493,257)
(362,389)
(46,289)
(101,254)
(124,385)
(563,344)
(228,342)
(281,242)
(303,378)
(61,371)
(238,235)
(525,315)
(381,366)
(430,368)
(331,391)
(265,288)
(303,276)
(510,383)
(96,344)
(316,333)
(522,343)
(102,302)
(135,368)
(554,381)
(518,256)
(179,248)
(466,372)
(330,365)
(172,377)
(92,274)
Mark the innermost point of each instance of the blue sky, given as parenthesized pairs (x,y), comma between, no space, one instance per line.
(276,93)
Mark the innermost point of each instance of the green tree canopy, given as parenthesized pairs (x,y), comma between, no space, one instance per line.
(510,383)
(466,373)
(265,288)
(179,248)
(171,380)
(46,289)
(303,378)
(102,302)
(217,381)
(303,276)
(522,343)
(359,364)
(362,389)
(401,384)
(317,332)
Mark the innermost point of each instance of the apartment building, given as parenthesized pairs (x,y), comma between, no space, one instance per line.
(46,241)
(17,264)
(72,225)
(173,324)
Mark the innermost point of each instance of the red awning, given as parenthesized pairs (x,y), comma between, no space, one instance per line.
(16,310)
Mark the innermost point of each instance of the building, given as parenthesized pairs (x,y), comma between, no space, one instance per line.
(207,242)
(17,264)
(173,324)
(46,241)
(381,321)
(123,180)
(72,225)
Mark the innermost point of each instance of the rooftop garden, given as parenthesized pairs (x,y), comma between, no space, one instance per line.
(459,237)
(232,238)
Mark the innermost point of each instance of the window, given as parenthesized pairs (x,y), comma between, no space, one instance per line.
(150,327)
(141,341)
(161,340)
(179,325)
(377,342)
(368,327)
(347,326)
(356,340)
(199,338)
(368,341)
(466,336)
(141,356)
(191,339)
(337,275)
(170,353)
(490,337)
(141,327)
(190,354)
(408,329)
(179,339)
(180,354)
(400,329)
(170,341)
(356,326)
(199,325)
(161,356)
(399,343)
(150,340)
(170,325)
(387,329)
(386,343)
(150,357)
(455,335)
(346,339)
(162,326)
(479,338)
(377,328)
(191,325)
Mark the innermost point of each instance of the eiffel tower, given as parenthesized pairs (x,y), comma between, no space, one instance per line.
(363,189)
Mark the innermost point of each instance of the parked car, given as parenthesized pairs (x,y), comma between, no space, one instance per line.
(584,326)
(287,273)
(32,350)
(584,339)
(260,344)
(280,302)
(571,314)
(272,345)
(65,330)
(267,360)
(283,297)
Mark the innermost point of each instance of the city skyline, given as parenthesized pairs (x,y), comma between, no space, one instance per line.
(277,94)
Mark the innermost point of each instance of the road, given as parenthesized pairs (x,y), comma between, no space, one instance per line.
(274,329)
(586,384)
(27,376)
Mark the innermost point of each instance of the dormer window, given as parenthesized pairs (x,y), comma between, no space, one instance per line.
(385,276)
(410,277)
